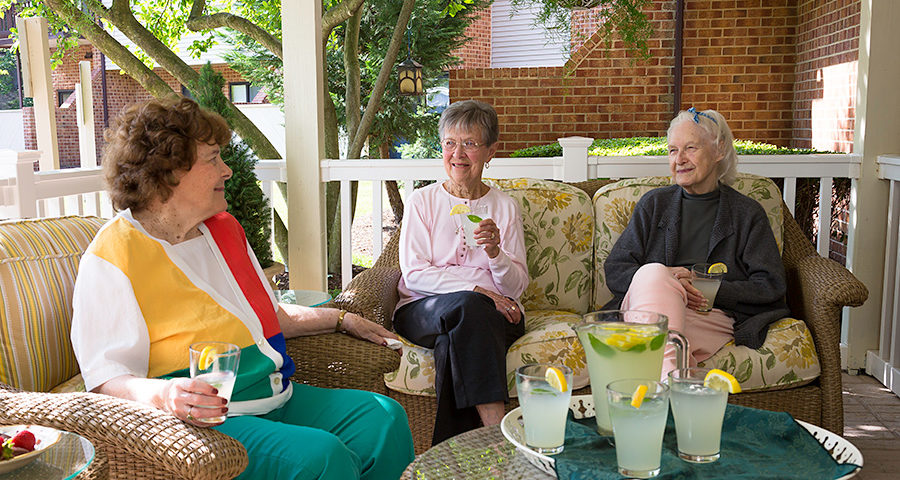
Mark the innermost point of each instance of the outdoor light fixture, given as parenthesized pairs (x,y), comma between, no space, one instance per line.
(410,77)
(409,74)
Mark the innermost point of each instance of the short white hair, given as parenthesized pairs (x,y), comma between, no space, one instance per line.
(715,125)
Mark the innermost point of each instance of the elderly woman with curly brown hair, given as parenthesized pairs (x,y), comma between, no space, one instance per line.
(173,268)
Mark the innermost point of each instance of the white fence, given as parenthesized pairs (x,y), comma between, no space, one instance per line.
(884,364)
(24,193)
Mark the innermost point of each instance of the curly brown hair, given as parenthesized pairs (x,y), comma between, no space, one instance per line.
(149,142)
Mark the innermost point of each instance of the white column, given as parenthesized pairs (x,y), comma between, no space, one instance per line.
(575,165)
(37,51)
(876,132)
(84,106)
(305,144)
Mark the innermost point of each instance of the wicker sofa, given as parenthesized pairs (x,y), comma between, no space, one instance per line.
(569,230)
(40,384)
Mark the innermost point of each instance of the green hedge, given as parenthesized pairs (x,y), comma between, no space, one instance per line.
(654,146)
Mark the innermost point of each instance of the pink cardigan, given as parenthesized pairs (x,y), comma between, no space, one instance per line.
(434,258)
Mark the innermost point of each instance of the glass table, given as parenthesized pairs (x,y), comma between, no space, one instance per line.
(307,298)
(66,459)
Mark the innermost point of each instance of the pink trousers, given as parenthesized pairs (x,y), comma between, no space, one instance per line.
(654,288)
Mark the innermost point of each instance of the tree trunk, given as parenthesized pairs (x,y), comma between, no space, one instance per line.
(393,191)
(121,17)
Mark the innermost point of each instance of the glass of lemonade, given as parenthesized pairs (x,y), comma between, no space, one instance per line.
(545,405)
(216,363)
(638,426)
(471,220)
(698,412)
(708,283)
(623,344)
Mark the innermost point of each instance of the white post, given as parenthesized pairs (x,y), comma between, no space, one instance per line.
(876,132)
(823,241)
(575,164)
(305,146)
(84,106)
(377,217)
(38,53)
(25,195)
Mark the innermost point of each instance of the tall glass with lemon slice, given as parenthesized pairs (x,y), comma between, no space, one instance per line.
(638,409)
(707,278)
(215,363)
(544,393)
(624,344)
(699,397)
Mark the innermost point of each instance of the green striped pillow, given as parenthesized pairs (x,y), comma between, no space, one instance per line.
(37,278)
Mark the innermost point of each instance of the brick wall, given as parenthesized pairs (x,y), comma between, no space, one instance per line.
(749,59)
(597,94)
(825,93)
(476,52)
(122,91)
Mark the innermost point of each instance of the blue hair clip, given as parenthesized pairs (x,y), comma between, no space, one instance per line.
(698,114)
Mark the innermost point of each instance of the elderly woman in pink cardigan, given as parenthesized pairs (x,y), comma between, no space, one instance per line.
(460,300)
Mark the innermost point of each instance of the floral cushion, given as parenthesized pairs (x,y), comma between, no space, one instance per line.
(614,204)
(787,358)
(548,338)
(558,222)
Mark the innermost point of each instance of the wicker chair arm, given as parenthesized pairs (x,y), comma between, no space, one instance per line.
(820,286)
(337,360)
(372,294)
(150,434)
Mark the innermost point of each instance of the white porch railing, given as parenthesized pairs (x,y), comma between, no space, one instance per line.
(884,364)
(576,165)
(79,191)
(25,193)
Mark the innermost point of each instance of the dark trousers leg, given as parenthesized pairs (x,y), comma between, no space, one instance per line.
(469,337)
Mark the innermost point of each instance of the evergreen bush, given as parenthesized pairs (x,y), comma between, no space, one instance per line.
(242,191)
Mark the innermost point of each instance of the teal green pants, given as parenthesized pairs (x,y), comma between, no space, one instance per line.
(326,434)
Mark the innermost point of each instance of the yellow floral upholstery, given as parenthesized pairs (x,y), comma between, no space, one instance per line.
(615,202)
(558,221)
(787,358)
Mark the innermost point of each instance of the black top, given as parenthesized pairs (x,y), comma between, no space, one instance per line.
(698,214)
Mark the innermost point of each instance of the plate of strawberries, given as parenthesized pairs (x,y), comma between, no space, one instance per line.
(22,444)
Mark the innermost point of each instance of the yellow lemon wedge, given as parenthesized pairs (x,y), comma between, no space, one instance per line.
(637,398)
(717,268)
(207,355)
(461,208)
(556,379)
(722,381)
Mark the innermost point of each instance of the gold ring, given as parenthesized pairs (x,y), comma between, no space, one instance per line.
(513,307)
(189,416)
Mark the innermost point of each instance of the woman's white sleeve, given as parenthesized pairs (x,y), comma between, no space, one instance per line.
(109,334)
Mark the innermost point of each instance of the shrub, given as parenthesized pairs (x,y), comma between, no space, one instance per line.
(654,146)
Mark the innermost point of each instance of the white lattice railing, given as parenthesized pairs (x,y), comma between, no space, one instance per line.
(884,363)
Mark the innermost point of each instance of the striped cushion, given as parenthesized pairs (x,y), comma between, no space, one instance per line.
(36,283)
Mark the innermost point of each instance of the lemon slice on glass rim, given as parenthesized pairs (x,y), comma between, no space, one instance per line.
(461,208)
(718,267)
(556,379)
(207,356)
(637,398)
(722,381)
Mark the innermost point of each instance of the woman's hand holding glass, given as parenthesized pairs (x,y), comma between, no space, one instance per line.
(487,234)
(505,305)
(192,400)
(695,299)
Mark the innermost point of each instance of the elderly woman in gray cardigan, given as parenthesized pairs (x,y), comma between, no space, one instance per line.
(700,220)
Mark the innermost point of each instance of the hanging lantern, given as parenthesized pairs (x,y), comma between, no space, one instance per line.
(409,77)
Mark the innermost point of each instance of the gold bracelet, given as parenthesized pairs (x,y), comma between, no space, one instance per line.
(337,328)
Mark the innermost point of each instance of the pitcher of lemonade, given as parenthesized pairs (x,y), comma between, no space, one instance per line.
(622,344)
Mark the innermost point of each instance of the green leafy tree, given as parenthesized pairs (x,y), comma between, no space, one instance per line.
(9,95)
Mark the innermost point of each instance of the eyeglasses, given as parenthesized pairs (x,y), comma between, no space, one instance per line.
(697,115)
(468,145)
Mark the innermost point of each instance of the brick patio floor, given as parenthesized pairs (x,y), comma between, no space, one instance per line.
(872,423)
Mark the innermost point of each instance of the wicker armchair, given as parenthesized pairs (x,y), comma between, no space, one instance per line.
(818,288)
(132,440)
